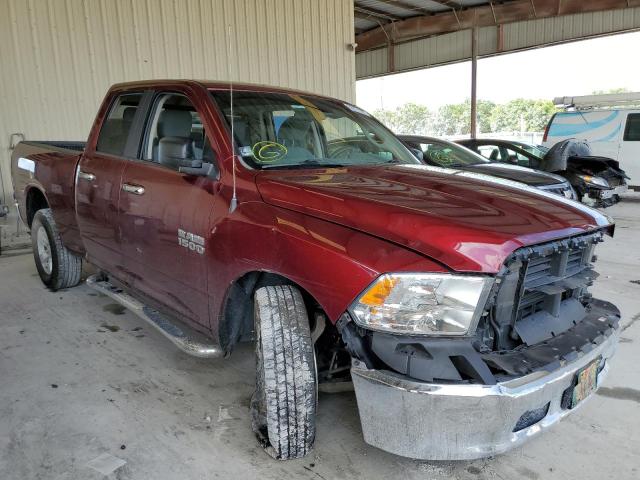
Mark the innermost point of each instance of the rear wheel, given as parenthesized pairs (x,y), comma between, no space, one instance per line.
(283,407)
(57,266)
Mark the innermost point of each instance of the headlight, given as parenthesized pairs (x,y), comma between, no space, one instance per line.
(591,180)
(423,303)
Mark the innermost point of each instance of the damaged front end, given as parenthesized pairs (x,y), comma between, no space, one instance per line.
(540,348)
(598,181)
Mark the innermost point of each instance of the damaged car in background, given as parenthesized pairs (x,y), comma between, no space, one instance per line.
(442,153)
(457,303)
(597,181)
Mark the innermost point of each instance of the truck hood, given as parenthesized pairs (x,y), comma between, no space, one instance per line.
(467,221)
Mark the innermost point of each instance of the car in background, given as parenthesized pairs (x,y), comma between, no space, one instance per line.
(609,122)
(442,153)
(597,181)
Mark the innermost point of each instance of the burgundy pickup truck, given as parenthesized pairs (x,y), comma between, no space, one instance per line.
(456,303)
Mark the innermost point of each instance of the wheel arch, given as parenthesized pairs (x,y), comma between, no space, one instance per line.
(35,199)
(236,319)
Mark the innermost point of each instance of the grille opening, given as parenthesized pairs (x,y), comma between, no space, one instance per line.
(543,290)
(465,369)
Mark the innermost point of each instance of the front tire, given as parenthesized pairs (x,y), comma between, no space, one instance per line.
(57,266)
(283,407)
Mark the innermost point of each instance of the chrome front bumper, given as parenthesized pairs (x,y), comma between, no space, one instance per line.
(463,422)
(606,194)
(620,189)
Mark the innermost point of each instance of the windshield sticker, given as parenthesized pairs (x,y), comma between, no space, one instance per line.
(245,151)
(268,152)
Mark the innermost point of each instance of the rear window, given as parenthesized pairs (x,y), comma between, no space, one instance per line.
(115,129)
(632,129)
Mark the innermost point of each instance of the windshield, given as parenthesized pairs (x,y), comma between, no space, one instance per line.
(448,155)
(279,130)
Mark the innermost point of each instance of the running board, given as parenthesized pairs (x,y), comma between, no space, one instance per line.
(189,343)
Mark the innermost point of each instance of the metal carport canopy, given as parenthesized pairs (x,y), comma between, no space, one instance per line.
(400,35)
(395,36)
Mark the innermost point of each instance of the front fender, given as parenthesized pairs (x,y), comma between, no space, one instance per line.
(333,263)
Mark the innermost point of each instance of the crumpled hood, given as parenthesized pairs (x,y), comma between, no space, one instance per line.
(464,220)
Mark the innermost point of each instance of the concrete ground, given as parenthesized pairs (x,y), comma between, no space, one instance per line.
(13,233)
(87,387)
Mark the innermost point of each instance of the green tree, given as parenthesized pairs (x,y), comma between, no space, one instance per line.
(484,109)
(408,119)
(522,114)
(455,119)
(452,119)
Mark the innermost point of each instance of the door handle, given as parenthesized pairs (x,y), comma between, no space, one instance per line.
(135,189)
(90,177)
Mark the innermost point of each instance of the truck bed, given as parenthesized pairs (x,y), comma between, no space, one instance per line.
(45,170)
(58,145)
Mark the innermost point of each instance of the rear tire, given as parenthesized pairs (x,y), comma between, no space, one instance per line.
(283,407)
(57,266)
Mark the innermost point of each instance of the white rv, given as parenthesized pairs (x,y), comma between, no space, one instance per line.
(610,123)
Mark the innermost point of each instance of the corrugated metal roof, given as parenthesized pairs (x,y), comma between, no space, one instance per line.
(393,8)
(456,46)
(372,13)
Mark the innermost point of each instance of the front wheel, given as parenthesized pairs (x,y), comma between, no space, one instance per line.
(283,407)
(57,266)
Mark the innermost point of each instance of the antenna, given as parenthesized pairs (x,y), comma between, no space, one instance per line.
(234,199)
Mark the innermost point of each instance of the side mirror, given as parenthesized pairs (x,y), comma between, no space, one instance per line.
(198,168)
(178,152)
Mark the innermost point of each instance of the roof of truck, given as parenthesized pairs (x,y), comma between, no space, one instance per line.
(213,84)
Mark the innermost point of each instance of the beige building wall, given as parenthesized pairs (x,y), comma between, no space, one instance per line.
(58,57)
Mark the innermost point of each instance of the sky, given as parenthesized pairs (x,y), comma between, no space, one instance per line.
(576,68)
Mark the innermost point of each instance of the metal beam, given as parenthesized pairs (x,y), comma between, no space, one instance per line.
(372,12)
(474,78)
(481,16)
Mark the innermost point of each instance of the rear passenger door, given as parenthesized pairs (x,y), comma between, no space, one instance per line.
(165,214)
(98,180)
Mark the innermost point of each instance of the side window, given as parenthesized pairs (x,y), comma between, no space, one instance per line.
(115,129)
(489,151)
(175,134)
(632,129)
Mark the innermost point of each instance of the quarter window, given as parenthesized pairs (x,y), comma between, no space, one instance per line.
(115,130)
(632,129)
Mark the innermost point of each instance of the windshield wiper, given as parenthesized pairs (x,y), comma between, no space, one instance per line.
(457,165)
(305,164)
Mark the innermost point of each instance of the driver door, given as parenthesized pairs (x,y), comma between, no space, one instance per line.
(165,214)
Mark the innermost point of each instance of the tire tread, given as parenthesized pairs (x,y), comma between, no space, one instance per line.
(67,267)
(289,370)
